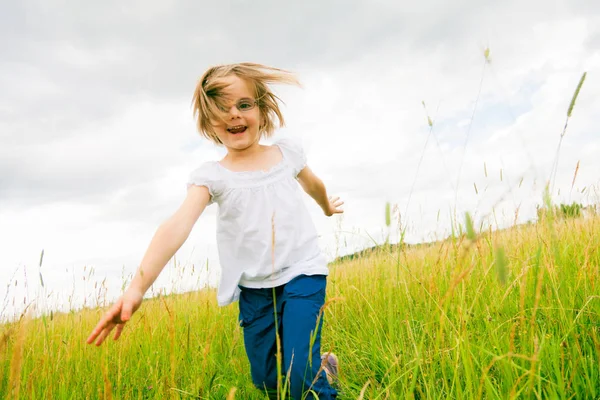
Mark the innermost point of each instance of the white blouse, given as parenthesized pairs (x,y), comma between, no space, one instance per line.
(265,235)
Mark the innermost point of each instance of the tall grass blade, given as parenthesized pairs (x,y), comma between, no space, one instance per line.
(574,99)
(469,225)
(501,265)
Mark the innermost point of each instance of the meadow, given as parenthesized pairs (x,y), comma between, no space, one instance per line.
(505,314)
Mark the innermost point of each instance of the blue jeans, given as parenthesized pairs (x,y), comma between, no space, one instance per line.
(298,303)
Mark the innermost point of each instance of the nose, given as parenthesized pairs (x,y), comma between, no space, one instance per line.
(234,112)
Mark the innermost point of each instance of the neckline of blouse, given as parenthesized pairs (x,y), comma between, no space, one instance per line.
(269,170)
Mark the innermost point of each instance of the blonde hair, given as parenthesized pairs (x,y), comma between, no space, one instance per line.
(209,99)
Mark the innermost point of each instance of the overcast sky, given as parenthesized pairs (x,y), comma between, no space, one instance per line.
(97,137)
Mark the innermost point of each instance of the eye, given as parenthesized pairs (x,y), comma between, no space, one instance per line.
(245,105)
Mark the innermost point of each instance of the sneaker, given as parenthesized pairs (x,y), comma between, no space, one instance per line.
(329,362)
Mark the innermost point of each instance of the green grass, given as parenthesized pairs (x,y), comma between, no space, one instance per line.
(452,320)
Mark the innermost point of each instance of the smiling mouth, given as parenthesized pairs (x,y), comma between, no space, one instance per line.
(236,129)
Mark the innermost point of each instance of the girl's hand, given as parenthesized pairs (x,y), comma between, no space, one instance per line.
(334,206)
(118,315)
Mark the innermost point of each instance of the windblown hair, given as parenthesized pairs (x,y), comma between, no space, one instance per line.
(209,99)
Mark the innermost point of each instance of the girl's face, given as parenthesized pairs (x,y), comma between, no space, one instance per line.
(240,130)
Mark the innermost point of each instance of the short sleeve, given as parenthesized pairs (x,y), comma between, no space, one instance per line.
(204,175)
(294,152)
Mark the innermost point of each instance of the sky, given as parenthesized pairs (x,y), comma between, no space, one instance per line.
(97,137)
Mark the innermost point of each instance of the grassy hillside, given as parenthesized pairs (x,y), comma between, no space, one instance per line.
(510,314)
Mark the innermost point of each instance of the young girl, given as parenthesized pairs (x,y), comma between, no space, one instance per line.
(267,243)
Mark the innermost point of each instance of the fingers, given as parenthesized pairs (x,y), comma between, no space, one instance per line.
(118,331)
(101,331)
(105,333)
(127,311)
(106,324)
(94,334)
(116,316)
(335,204)
(335,201)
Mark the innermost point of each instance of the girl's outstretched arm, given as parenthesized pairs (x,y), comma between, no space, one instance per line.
(168,238)
(316,189)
